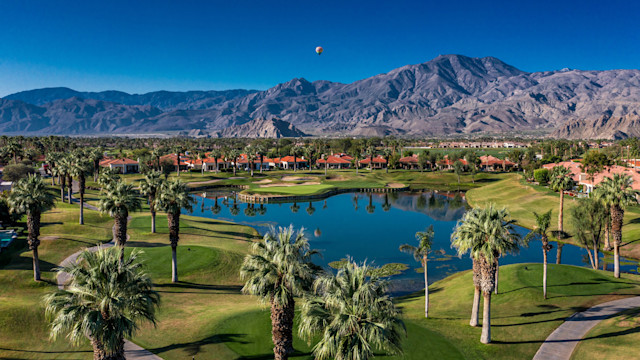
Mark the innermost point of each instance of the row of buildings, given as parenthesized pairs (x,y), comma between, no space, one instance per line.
(333,161)
(587,182)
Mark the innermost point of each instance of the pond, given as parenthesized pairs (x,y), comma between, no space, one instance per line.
(371,227)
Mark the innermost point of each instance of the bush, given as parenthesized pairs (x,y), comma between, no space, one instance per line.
(17,172)
(541,176)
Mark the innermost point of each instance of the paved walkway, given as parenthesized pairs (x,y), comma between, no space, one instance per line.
(131,350)
(561,343)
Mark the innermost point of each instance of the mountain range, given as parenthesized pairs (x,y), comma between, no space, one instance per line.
(449,95)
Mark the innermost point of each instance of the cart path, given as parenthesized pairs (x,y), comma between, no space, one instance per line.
(563,340)
(131,350)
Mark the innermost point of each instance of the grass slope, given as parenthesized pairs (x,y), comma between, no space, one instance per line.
(523,199)
(614,338)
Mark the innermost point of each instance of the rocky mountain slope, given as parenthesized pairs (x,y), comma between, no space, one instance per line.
(451,94)
(261,128)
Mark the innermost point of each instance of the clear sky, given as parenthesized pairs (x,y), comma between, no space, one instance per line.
(140,46)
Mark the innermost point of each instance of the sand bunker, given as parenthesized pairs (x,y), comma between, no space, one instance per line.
(395,185)
(265,181)
(49,238)
(298,178)
(286,184)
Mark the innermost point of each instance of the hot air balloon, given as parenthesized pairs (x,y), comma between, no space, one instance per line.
(319,50)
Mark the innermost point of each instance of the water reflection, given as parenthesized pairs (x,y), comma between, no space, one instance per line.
(338,228)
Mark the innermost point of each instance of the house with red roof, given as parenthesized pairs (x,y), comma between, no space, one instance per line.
(243,163)
(209,164)
(589,182)
(287,162)
(410,162)
(379,162)
(448,164)
(492,163)
(174,160)
(334,162)
(121,165)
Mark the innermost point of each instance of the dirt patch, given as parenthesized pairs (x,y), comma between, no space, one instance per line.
(287,184)
(49,238)
(395,185)
(298,178)
(265,181)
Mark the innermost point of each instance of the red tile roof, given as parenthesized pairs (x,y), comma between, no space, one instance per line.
(333,160)
(413,159)
(290,159)
(493,161)
(378,159)
(122,161)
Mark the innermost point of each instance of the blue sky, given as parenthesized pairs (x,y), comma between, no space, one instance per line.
(140,46)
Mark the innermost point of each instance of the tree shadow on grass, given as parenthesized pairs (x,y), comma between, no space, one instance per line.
(194,347)
(145,244)
(195,286)
(46,352)
(614,334)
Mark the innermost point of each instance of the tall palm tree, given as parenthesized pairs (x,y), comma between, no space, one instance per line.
(63,168)
(172,198)
(104,301)
(95,155)
(279,269)
(353,315)
(202,156)
(617,194)
(295,150)
(543,221)
(561,181)
(387,156)
(485,234)
(81,166)
(421,254)
(156,154)
(234,154)
(251,160)
(216,154)
(118,200)
(179,150)
(149,187)
(30,196)
(371,149)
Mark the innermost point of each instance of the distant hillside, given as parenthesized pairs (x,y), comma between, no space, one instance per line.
(262,128)
(451,94)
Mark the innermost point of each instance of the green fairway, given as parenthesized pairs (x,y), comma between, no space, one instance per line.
(523,199)
(293,190)
(613,339)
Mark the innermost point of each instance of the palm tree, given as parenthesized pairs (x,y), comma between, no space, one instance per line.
(616,193)
(295,150)
(542,228)
(80,168)
(63,167)
(421,253)
(234,154)
(179,150)
(560,181)
(95,155)
(279,269)
(173,197)
(202,156)
(311,209)
(387,156)
(149,186)
(251,159)
(485,234)
(215,154)
(118,200)
(104,301)
(156,154)
(259,150)
(371,149)
(370,208)
(31,197)
(353,315)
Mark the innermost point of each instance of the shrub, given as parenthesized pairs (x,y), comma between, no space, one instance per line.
(541,176)
(17,172)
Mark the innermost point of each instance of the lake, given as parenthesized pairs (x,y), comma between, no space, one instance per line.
(370,227)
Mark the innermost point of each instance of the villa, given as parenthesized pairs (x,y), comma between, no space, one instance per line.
(334,162)
(587,182)
(379,162)
(172,159)
(287,162)
(492,163)
(121,166)
(410,162)
(448,164)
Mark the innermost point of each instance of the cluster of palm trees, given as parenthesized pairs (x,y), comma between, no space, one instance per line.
(350,311)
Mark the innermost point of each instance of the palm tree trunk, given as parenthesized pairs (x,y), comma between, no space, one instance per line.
(561,213)
(485,338)
(63,183)
(596,255)
(70,188)
(559,255)
(426,288)
(120,232)
(544,272)
(33,227)
(607,236)
(152,208)
(100,353)
(617,216)
(282,329)
(476,307)
(174,237)
(174,264)
(81,207)
(495,288)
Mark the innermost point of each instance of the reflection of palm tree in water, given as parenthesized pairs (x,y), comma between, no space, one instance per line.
(456,202)
(371,208)
(434,202)
(235,210)
(355,202)
(421,203)
(386,206)
(324,206)
(310,209)
(294,208)
(262,209)
(250,210)
(215,209)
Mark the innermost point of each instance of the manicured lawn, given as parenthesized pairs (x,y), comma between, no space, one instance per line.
(616,338)
(523,199)
(293,190)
